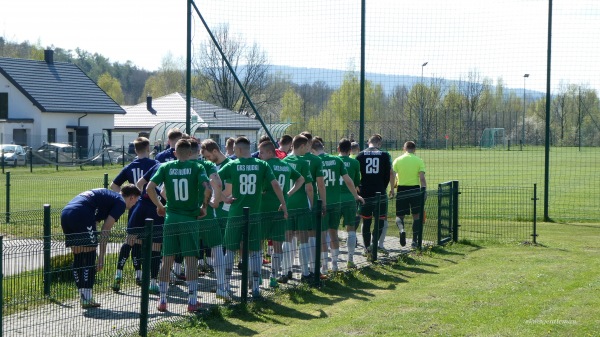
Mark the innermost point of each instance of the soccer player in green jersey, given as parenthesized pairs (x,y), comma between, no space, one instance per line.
(245,179)
(316,170)
(186,187)
(351,219)
(211,236)
(336,178)
(299,206)
(211,151)
(273,225)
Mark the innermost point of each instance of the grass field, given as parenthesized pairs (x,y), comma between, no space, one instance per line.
(466,289)
(574,183)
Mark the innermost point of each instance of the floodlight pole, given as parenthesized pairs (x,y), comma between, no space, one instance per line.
(361,112)
(421,108)
(524,107)
(188,70)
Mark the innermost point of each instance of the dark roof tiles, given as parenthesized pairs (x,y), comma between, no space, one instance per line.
(57,87)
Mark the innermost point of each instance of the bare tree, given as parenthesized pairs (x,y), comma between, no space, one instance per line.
(248,63)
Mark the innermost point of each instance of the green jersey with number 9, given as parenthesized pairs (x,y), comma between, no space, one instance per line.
(248,177)
(285,176)
(183,185)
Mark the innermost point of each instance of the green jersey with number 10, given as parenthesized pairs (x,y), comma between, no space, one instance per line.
(183,184)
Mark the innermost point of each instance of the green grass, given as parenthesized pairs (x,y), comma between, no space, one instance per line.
(25,291)
(466,289)
(574,185)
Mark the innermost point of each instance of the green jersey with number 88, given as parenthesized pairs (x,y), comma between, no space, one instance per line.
(248,177)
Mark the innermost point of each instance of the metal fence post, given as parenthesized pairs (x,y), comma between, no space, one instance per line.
(1,287)
(146,265)
(105,180)
(535,199)
(454,200)
(318,238)
(47,250)
(440,198)
(420,229)
(8,197)
(30,155)
(56,157)
(123,155)
(375,239)
(245,246)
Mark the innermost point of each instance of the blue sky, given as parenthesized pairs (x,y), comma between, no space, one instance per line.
(495,38)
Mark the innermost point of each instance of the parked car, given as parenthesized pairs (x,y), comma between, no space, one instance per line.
(13,155)
(66,153)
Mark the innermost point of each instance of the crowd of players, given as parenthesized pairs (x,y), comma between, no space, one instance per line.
(196,205)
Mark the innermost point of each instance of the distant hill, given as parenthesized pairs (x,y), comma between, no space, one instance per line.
(334,79)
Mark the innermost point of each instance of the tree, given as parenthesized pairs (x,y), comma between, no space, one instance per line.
(291,111)
(473,90)
(170,78)
(249,63)
(112,87)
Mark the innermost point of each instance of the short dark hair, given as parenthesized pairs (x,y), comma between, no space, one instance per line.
(194,146)
(141,144)
(209,145)
(129,190)
(182,145)
(285,140)
(299,140)
(375,139)
(307,134)
(345,145)
(174,134)
(264,138)
(317,145)
(410,145)
(242,140)
(267,145)
(229,143)
(319,138)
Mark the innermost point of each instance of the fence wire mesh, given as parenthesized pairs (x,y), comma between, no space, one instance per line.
(43,300)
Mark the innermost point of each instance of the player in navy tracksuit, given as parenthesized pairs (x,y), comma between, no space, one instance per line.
(78,221)
(142,210)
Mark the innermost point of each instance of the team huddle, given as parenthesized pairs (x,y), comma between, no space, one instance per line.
(196,205)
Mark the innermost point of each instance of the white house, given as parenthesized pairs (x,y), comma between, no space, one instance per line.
(47,101)
(157,116)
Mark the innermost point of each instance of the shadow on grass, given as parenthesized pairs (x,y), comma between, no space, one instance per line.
(358,284)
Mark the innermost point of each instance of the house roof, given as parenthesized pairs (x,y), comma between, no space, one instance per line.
(171,108)
(57,87)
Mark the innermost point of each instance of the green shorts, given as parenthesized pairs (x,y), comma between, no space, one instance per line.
(180,235)
(300,220)
(233,233)
(210,233)
(331,220)
(274,226)
(348,212)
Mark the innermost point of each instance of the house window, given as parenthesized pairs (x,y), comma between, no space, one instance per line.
(51,135)
(216,138)
(3,105)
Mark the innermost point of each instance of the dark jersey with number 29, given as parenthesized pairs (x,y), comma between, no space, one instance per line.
(375,168)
